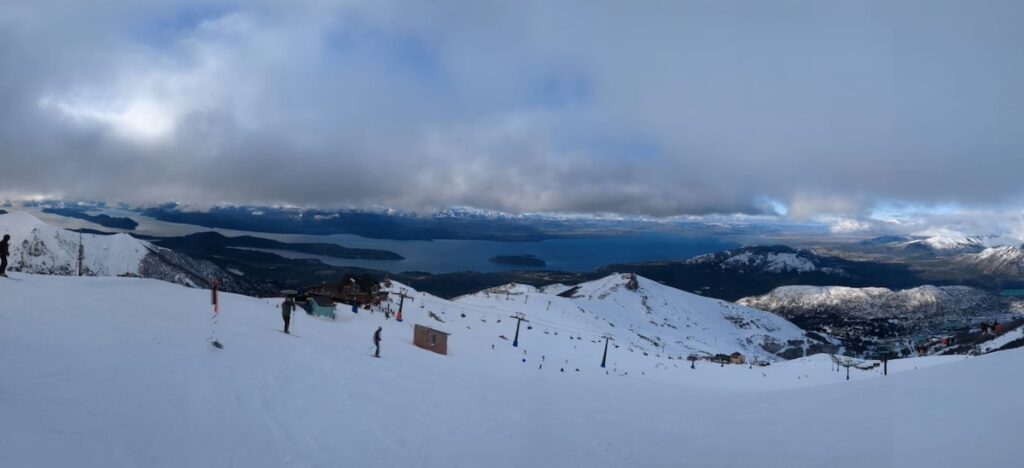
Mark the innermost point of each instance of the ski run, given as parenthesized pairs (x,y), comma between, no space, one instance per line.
(108,371)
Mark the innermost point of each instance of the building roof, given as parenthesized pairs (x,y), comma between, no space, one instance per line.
(322,301)
(434,330)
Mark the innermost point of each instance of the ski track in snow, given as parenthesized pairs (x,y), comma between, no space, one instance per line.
(101,372)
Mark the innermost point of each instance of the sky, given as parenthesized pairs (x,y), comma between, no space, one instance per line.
(866,113)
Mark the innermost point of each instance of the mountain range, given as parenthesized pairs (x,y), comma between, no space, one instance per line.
(748,271)
(826,295)
(864,316)
(651,318)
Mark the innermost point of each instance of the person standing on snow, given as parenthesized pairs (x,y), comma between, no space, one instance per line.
(286,312)
(5,250)
(376,342)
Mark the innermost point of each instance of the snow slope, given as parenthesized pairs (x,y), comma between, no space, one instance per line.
(924,303)
(1000,341)
(1003,261)
(952,242)
(37,247)
(654,318)
(108,372)
(767,259)
(865,317)
(40,248)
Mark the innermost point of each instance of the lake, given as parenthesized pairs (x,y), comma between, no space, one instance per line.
(444,256)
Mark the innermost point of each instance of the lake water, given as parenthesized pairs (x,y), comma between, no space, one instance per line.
(444,256)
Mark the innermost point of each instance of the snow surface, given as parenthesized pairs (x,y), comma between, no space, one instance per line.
(944,239)
(1006,260)
(774,262)
(655,318)
(1002,340)
(37,247)
(107,372)
(873,301)
(554,288)
(41,248)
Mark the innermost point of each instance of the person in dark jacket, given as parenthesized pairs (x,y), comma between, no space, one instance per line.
(5,250)
(376,342)
(286,312)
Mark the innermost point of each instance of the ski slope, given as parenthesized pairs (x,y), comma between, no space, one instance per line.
(654,318)
(107,372)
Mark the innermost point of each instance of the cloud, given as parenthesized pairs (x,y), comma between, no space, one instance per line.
(795,107)
(808,205)
(849,226)
(138,120)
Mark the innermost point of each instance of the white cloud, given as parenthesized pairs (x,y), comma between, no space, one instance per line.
(688,108)
(849,226)
(806,205)
(140,120)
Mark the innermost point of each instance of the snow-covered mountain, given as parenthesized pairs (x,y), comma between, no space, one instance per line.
(93,382)
(944,301)
(770,259)
(37,247)
(953,243)
(750,271)
(879,313)
(1000,261)
(651,317)
(941,243)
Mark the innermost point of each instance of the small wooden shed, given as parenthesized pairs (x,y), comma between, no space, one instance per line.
(430,339)
(321,306)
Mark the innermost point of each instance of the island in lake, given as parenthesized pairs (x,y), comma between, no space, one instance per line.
(101,219)
(519,260)
(212,243)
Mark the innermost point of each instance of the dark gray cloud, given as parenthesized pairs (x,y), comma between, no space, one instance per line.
(655,108)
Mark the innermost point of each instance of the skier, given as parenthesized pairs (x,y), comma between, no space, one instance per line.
(4,251)
(286,312)
(376,342)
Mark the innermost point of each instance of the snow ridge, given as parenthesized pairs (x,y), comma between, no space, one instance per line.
(37,247)
(1007,260)
(864,317)
(773,259)
(652,318)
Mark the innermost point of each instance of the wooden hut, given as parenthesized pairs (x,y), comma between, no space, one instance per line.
(430,339)
(321,306)
(737,358)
